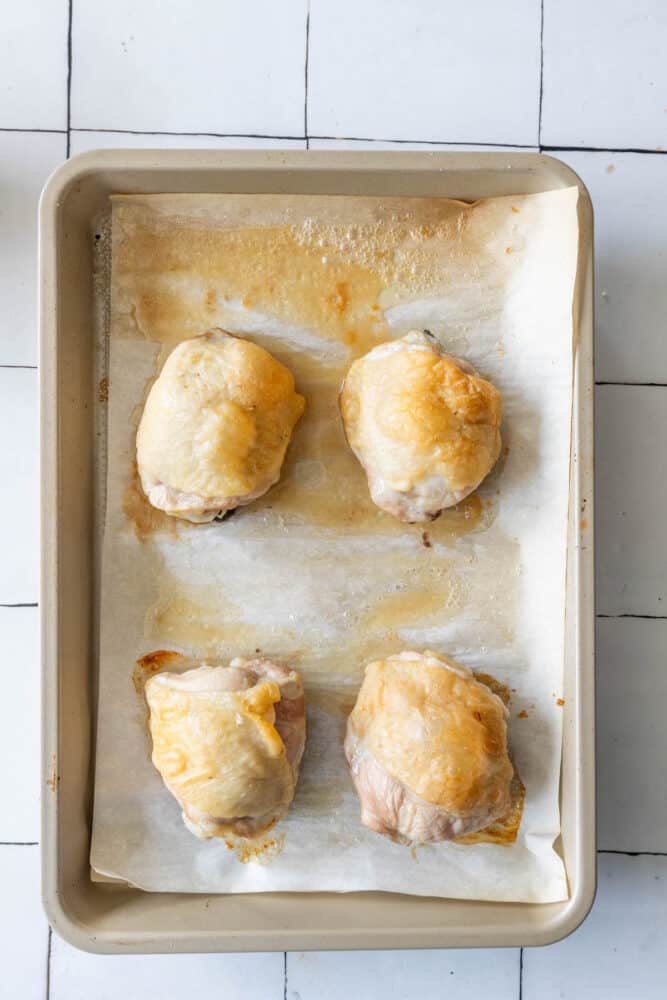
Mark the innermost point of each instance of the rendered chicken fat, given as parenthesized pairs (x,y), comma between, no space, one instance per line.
(215,427)
(424,425)
(427,749)
(228,742)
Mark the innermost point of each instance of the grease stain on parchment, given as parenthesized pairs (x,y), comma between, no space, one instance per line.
(260,850)
(335,283)
(145,519)
(203,619)
(322,484)
(332,277)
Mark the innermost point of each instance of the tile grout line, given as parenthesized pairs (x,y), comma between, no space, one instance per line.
(48,965)
(284,975)
(646,385)
(213,135)
(31,367)
(19,843)
(46,131)
(69,77)
(603,149)
(361,138)
(635,854)
(305,77)
(539,113)
(650,618)
(25,605)
(297,138)
(520,973)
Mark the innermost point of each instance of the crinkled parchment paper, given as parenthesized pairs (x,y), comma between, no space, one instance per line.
(312,573)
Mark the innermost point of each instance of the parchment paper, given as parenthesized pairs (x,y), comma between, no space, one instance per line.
(313,574)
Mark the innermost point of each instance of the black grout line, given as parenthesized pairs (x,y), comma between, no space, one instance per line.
(427,142)
(47,131)
(212,135)
(342,138)
(520,973)
(603,149)
(19,366)
(362,138)
(69,77)
(35,605)
(358,138)
(636,854)
(48,965)
(284,975)
(305,77)
(539,115)
(646,385)
(19,843)
(650,618)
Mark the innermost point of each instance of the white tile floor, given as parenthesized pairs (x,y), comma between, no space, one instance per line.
(628,192)
(208,67)
(632,802)
(24,933)
(605,76)
(386,69)
(76,975)
(33,65)
(399,975)
(367,74)
(619,951)
(632,530)
(26,160)
(19,727)
(19,448)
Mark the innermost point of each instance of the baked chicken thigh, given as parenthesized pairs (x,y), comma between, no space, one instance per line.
(427,749)
(424,425)
(228,742)
(215,427)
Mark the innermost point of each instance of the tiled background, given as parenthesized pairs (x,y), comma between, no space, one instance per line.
(586,79)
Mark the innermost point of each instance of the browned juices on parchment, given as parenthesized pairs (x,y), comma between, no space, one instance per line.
(333,279)
(314,290)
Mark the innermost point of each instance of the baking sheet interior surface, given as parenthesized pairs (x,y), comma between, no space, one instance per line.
(312,573)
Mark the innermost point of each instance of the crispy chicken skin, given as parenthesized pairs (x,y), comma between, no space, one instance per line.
(215,427)
(427,748)
(424,425)
(228,741)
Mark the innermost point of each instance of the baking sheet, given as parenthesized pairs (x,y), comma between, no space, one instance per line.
(312,573)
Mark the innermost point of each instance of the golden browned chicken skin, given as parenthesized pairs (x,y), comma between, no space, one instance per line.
(427,749)
(424,425)
(228,741)
(215,427)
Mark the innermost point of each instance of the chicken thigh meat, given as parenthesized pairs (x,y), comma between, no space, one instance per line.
(215,427)
(424,425)
(427,748)
(228,741)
